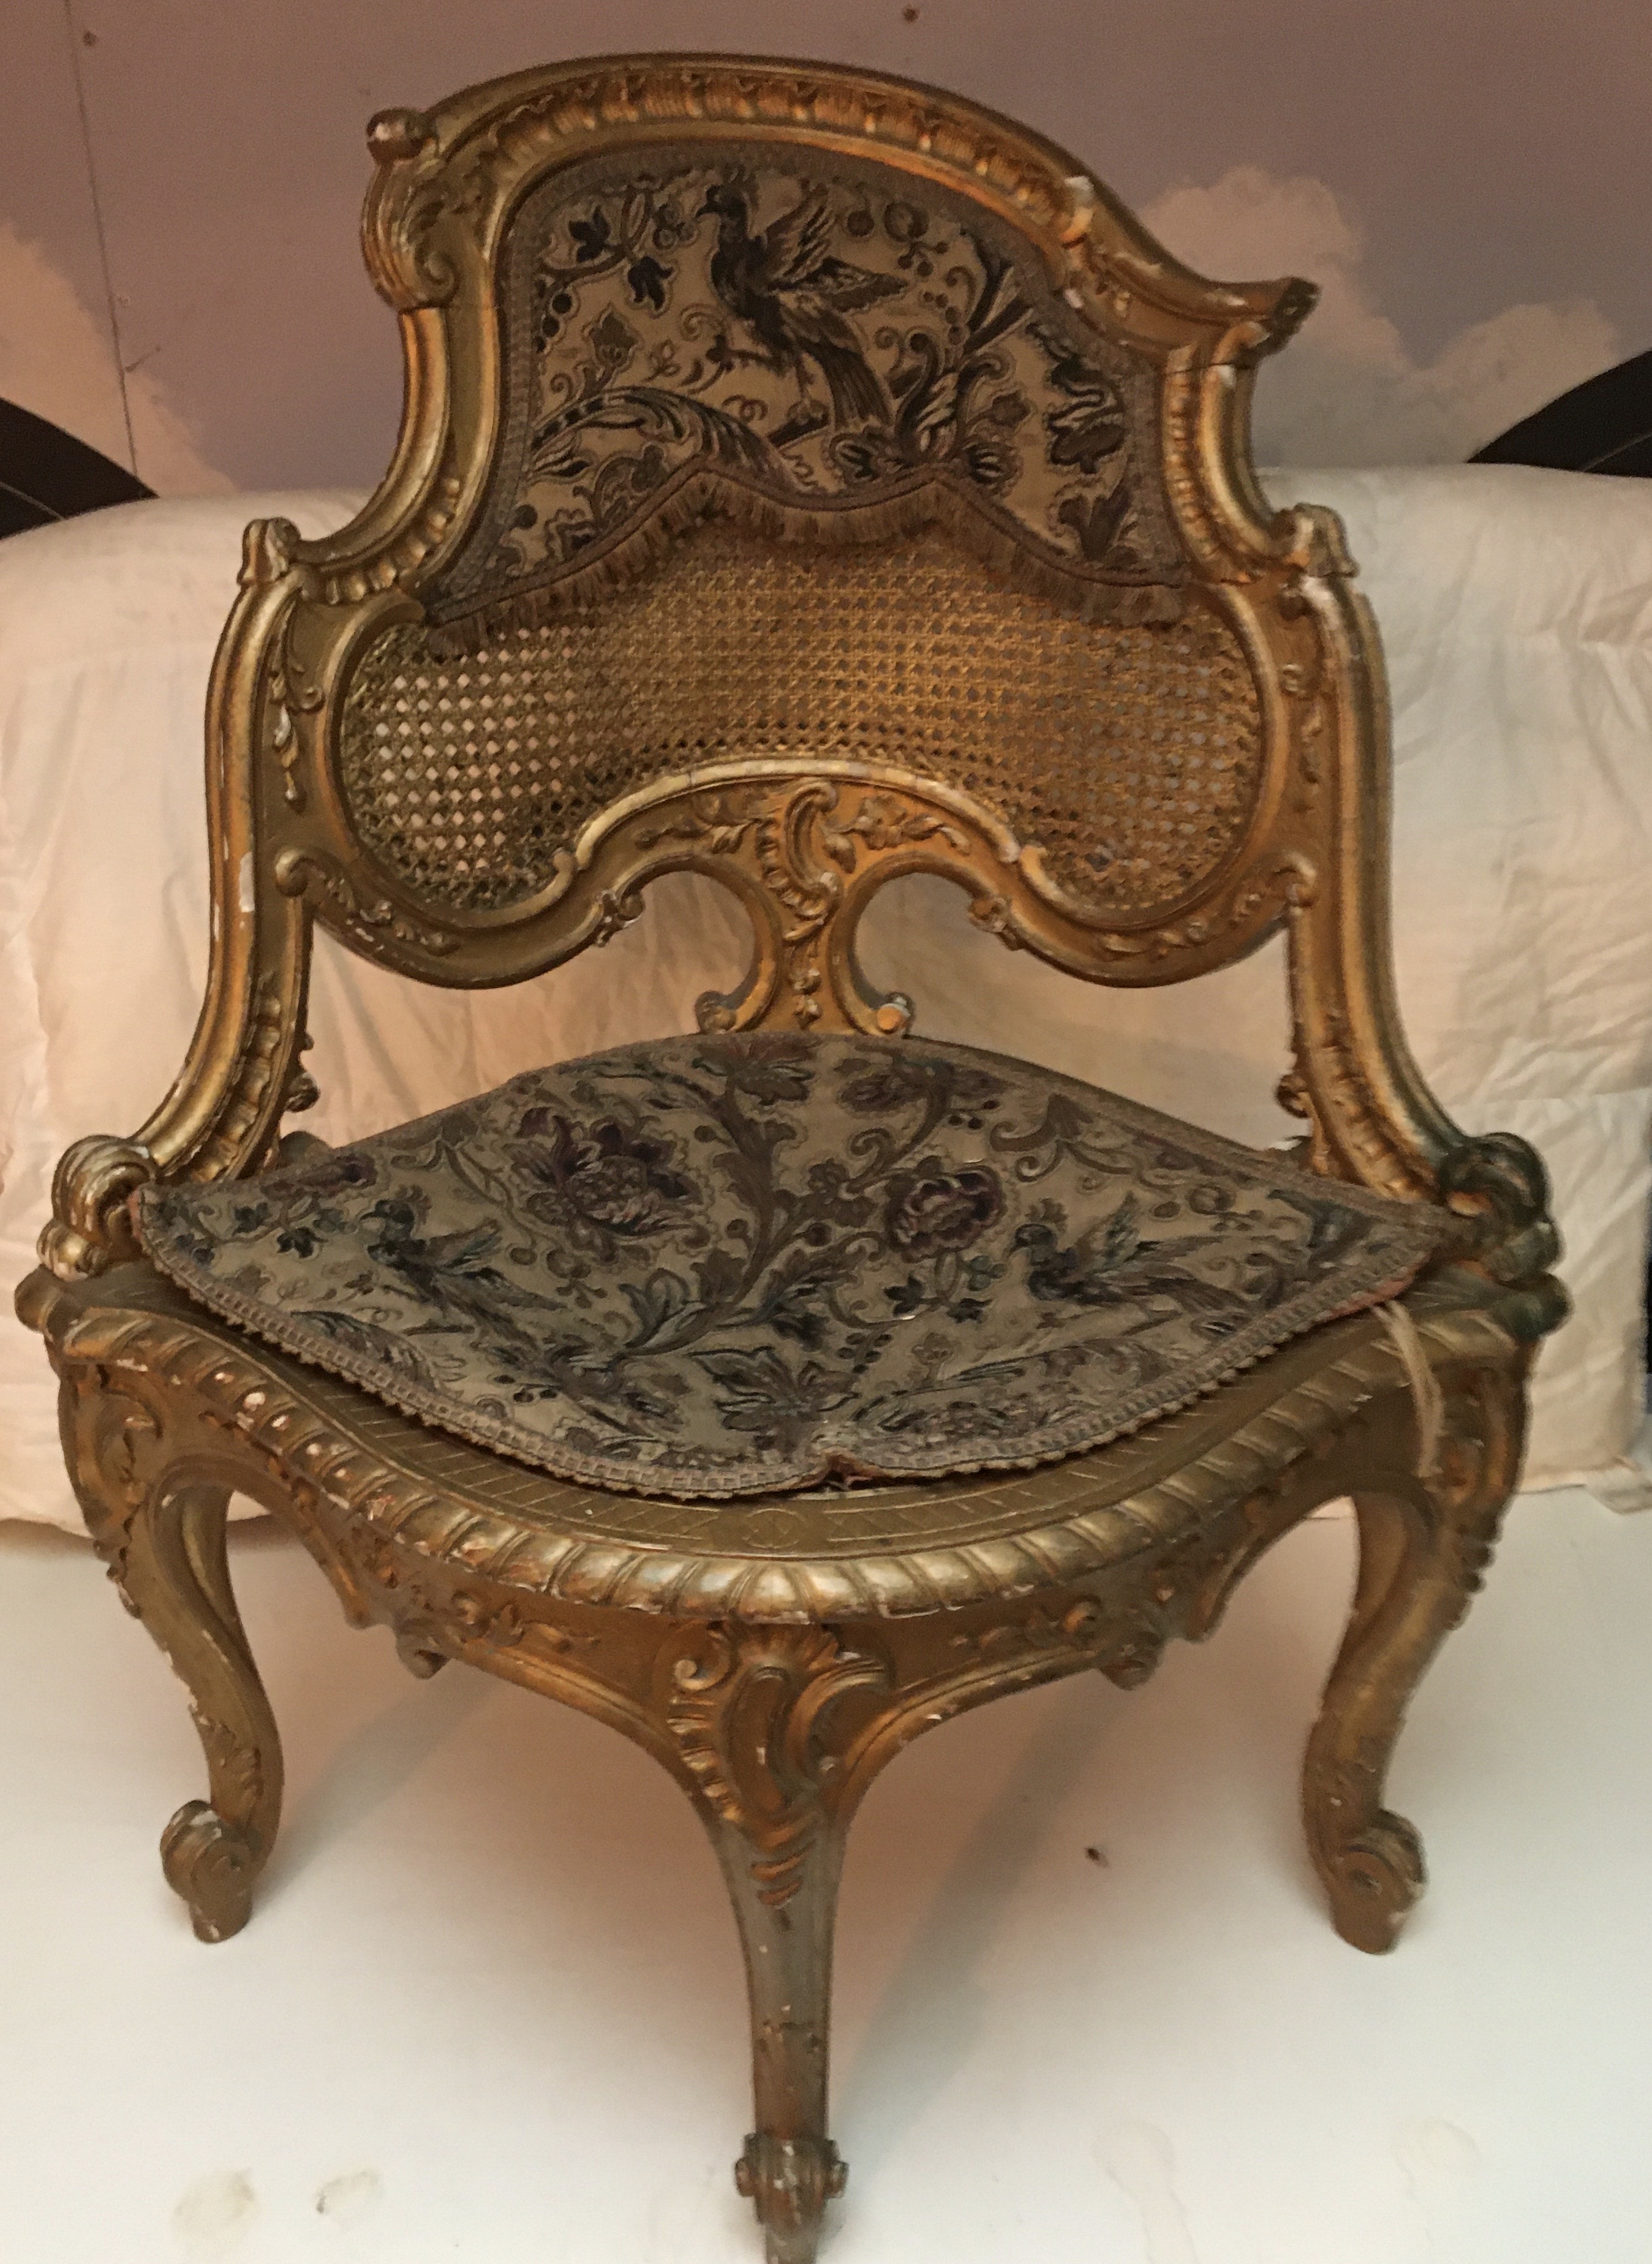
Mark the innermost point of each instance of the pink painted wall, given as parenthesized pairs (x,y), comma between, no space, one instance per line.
(1469,181)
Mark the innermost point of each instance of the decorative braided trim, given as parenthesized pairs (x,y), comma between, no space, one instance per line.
(698,492)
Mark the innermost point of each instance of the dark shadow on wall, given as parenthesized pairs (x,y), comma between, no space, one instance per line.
(45,474)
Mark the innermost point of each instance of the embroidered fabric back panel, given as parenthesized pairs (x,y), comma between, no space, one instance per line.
(826,342)
(1131,755)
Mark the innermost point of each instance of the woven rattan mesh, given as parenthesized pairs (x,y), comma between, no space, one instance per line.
(1130,756)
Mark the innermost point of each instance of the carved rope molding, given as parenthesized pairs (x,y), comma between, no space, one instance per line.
(287,1445)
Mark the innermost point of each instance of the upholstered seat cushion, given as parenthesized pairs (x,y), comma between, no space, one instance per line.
(732,1264)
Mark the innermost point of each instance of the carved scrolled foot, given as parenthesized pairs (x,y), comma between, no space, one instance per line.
(418,1657)
(790,2181)
(1372,1882)
(212,1865)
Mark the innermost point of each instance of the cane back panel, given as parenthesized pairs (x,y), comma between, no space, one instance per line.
(805,479)
(1128,755)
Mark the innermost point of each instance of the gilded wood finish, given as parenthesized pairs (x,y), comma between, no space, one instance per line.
(776,1673)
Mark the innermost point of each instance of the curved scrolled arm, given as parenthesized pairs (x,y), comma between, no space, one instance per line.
(242,1070)
(1370,1115)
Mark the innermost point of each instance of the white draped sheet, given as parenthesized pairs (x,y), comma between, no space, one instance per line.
(1516,608)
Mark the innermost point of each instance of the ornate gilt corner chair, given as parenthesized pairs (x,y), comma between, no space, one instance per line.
(805,480)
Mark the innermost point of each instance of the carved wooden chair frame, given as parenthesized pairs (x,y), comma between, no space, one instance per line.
(774,1683)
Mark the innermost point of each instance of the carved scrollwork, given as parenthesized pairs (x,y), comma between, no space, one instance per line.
(352,578)
(301,1091)
(1498,1180)
(1293,882)
(248,1087)
(784,835)
(270,551)
(233,1763)
(471,157)
(775,1662)
(1354,1131)
(293,693)
(1495,1181)
(616,908)
(125,1434)
(817,847)
(749,1707)
(1425,1545)
(299,871)
(1124,1640)
(146,1474)
(791,2181)
(1472,1468)
(214,1865)
(1371,1860)
(1121,1632)
(89,1229)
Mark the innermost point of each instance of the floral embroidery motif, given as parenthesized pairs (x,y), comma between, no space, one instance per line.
(819,338)
(694,1267)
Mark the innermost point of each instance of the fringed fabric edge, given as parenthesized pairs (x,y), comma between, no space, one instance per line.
(700,492)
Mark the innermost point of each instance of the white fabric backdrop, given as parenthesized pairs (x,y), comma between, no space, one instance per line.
(1517,610)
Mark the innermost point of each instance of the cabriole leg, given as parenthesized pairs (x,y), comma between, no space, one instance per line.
(163,1537)
(759,1725)
(1423,1547)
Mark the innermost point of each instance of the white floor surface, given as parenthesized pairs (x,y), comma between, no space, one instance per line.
(489,2006)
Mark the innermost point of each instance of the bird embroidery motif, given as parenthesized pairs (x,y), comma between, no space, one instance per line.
(791,292)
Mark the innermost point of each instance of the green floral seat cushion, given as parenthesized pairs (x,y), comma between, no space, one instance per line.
(732,1264)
